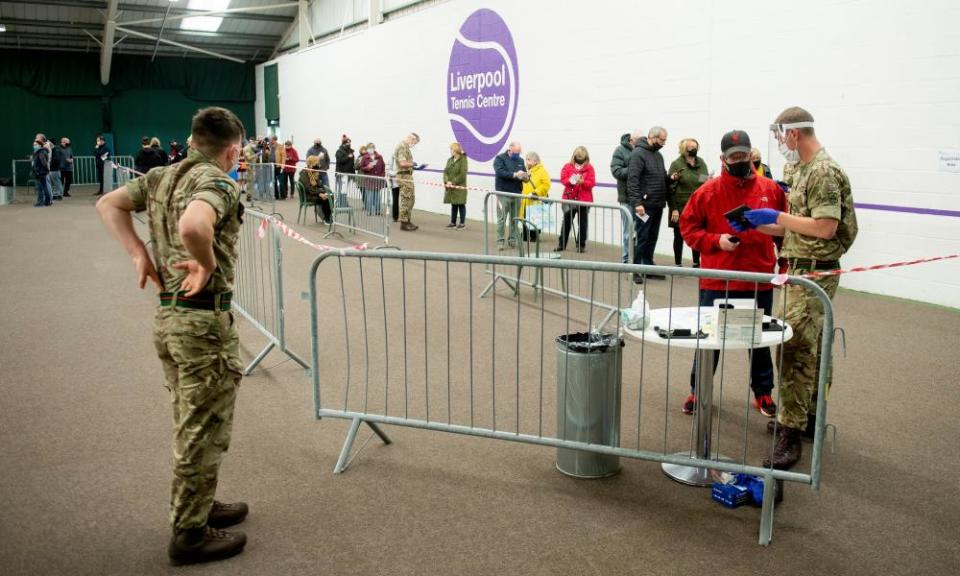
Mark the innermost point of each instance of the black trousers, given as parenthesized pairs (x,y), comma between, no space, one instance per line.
(580,212)
(67,181)
(678,249)
(460,209)
(100,177)
(277,174)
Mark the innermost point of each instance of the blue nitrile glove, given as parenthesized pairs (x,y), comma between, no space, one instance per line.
(762,216)
(738,227)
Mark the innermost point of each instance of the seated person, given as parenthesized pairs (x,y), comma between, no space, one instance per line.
(315,192)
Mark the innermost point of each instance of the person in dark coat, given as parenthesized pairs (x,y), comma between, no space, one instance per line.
(345,164)
(40,165)
(102,154)
(647,188)
(510,176)
(618,166)
(323,160)
(66,171)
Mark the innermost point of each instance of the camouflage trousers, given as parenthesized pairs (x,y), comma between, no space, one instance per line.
(800,371)
(407,197)
(199,350)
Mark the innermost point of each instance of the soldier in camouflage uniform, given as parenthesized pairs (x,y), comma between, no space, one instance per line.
(820,227)
(194,215)
(403,161)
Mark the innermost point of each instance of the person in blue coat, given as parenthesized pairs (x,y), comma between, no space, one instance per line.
(510,175)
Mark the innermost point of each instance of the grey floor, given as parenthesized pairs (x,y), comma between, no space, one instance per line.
(85,450)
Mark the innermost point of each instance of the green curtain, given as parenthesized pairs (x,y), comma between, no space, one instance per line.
(271,92)
(59,94)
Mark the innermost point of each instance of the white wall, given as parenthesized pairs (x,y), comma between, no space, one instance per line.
(880,78)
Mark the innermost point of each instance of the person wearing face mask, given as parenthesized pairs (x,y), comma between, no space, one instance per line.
(372,164)
(40,165)
(196,213)
(758,165)
(455,186)
(647,188)
(404,164)
(578,179)
(706,229)
(510,175)
(290,159)
(66,171)
(535,186)
(619,164)
(687,173)
(102,155)
(323,160)
(819,228)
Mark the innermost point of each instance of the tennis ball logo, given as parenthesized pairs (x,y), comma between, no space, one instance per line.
(482,86)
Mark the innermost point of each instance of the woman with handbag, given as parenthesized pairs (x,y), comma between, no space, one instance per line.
(687,173)
(537,184)
(578,178)
(454,184)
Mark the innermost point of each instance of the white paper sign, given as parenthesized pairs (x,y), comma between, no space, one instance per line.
(950,161)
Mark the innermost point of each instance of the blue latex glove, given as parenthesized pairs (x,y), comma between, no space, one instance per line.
(762,216)
(738,227)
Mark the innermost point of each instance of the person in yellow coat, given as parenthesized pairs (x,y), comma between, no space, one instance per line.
(537,183)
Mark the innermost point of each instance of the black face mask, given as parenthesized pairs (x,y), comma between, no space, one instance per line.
(756,163)
(692,153)
(739,169)
(656,147)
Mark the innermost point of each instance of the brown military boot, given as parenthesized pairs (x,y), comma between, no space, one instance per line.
(206,544)
(787,451)
(808,431)
(223,515)
(409,227)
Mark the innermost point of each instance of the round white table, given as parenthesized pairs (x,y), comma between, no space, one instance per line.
(687,317)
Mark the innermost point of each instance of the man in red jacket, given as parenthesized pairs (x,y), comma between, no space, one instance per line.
(705,229)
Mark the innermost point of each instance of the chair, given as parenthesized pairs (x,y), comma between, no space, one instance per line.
(341,205)
(529,236)
(305,203)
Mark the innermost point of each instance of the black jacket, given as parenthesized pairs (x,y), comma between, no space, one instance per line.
(345,158)
(146,159)
(505,167)
(647,179)
(56,158)
(164,158)
(619,164)
(41,163)
(101,151)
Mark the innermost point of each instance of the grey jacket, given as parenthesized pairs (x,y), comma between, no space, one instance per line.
(619,164)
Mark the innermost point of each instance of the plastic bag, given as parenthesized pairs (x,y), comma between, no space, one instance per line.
(541,216)
(637,316)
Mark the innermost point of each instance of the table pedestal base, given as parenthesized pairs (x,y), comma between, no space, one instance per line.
(693,475)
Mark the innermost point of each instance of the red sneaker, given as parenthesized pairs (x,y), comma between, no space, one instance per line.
(765,405)
(689,404)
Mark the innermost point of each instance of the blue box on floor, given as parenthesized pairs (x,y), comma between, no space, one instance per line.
(730,495)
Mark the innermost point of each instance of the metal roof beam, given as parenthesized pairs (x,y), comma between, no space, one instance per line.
(265,39)
(106,48)
(76,37)
(186,12)
(180,44)
(220,13)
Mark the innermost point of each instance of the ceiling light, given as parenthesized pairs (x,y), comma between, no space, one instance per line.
(3,27)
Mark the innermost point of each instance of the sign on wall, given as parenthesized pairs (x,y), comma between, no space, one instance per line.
(483,85)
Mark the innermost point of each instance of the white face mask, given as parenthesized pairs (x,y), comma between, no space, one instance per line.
(788,154)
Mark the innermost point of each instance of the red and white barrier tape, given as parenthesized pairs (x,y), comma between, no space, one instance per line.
(781,279)
(294,235)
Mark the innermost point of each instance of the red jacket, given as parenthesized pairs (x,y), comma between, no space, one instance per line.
(583,190)
(290,159)
(702,222)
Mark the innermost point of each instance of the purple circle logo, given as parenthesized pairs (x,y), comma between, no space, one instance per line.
(482,88)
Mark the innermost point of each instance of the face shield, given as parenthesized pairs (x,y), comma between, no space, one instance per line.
(778,153)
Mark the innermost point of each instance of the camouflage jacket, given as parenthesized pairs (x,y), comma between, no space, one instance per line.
(165,193)
(820,189)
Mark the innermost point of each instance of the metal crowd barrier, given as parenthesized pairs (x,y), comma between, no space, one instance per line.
(361,204)
(84,170)
(405,341)
(516,226)
(257,187)
(258,285)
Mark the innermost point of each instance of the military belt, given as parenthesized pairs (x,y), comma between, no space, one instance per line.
(197,301)
(812,264)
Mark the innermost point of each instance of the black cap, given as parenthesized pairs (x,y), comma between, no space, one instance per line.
(735,141)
